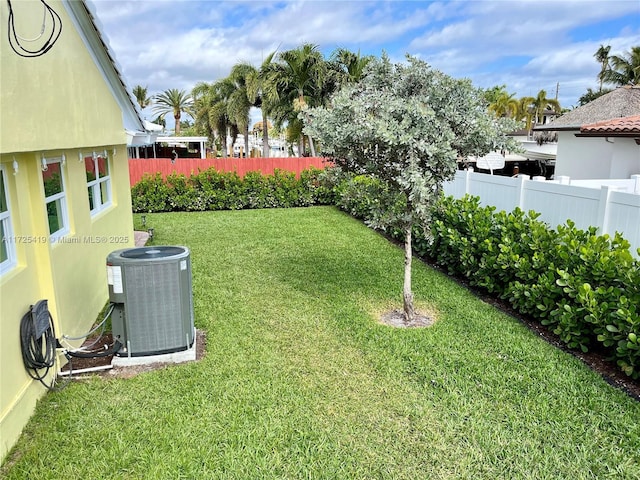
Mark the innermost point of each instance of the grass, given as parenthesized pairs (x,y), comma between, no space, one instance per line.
(301,381)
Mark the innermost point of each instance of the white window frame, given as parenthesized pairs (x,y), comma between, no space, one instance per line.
(9,239)
(96,184)
(61,197)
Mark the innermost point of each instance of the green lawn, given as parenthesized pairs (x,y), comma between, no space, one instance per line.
(301,381)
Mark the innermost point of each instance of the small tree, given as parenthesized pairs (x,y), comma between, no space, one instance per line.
(406,125)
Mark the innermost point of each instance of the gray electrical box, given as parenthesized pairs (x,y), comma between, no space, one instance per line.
(151,290)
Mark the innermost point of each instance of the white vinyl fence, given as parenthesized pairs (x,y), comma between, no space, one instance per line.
(611,205)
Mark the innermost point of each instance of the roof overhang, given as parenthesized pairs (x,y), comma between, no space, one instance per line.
(182,139)
(557,128)
(153,127)
(609,134)
(140,139)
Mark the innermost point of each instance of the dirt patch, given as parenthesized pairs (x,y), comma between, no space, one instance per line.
(395,318)
(79,366)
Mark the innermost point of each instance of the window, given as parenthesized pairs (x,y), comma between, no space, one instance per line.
(55,197)
(98,181)
(7,246)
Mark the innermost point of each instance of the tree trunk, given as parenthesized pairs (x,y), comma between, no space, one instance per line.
(177,128)
(246,142)
(265,135)
(311,147)
(409,312)
(223,139)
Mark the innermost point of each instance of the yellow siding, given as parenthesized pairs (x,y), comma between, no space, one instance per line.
(53,105)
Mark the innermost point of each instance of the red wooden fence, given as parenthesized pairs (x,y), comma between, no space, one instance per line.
(139,166)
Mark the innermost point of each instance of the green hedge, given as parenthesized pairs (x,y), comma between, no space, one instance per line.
(584,287)
(213,190)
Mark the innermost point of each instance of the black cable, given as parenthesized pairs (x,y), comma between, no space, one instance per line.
(14,38)
(38,349)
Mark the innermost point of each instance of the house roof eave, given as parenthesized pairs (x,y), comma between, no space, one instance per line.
(557,128)
(609,134)
(140,139)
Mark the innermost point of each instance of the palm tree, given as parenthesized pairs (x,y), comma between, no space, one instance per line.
(238,102)
(250,84)
(504,105)
(350,67)
(257,85)
(624,69)
(173,101)
(295,81)
(159,120)
(491,94)
(203,96)
(542,103)
(590,96)
(227,115)
(211,111)
(525,111)
(140,93)
(602,56)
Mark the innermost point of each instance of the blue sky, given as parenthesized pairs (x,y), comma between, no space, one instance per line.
(526,45)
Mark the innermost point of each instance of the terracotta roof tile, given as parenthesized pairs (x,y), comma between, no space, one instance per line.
(617,125)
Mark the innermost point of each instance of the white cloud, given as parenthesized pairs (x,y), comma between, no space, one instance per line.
(527,45)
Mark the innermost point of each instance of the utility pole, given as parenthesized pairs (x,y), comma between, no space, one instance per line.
(557,88)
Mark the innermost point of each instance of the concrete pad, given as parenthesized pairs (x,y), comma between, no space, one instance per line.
(175,357)
(140,238)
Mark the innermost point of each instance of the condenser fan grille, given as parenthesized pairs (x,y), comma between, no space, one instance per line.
(144,253)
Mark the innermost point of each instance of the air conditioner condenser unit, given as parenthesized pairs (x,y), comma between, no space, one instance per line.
(151,290)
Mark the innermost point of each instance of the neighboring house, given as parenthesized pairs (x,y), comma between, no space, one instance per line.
(593,153)
(65,203)
(624,136)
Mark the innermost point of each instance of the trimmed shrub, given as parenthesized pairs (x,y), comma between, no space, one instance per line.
(150,194)
(583,286)
(213,190)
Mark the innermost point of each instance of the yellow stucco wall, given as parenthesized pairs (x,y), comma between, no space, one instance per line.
(57,100)
(52,105)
